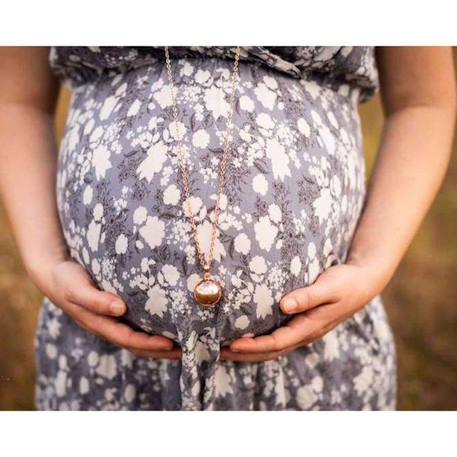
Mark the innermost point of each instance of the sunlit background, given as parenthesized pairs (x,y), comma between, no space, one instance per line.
(420,300)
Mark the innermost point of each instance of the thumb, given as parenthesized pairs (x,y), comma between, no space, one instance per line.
(322,291)
(78,288)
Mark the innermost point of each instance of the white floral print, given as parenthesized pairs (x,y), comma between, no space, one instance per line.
(293,197)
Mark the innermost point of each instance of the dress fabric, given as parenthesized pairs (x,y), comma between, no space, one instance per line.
(295,190)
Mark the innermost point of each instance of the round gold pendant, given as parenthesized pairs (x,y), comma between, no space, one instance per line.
(208,292)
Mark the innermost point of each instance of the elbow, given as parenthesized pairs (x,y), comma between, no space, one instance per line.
(447,98)
(453,103)
(449,102)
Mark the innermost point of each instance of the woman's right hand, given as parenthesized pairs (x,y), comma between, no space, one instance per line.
(70,287)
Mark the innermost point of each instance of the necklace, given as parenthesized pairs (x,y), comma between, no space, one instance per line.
(208,291)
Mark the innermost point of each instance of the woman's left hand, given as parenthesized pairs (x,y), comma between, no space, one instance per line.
(336,295)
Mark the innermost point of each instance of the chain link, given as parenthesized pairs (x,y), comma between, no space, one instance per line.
(205,264)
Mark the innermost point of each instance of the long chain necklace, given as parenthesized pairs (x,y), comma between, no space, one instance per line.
(208,291)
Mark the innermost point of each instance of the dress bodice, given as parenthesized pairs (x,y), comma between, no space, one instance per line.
(331,65)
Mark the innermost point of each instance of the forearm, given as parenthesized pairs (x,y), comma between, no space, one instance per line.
(27,183)
(410,167)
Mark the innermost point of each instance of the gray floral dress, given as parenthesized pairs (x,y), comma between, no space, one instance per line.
(294,194)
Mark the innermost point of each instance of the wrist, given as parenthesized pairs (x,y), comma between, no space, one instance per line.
(378,269)
(39,265)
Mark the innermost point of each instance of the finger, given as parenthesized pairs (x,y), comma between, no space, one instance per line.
(227,354)
(323,291)
(289,335)
(174,354)
(81,291)
(120,334)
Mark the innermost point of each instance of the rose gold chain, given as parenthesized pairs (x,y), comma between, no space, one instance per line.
(205,264)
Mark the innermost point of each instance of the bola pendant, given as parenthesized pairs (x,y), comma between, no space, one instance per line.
(208,291)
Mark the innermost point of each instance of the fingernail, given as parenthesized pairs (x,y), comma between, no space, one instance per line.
(290,305)
(234,349)
(117,307)
(163,346)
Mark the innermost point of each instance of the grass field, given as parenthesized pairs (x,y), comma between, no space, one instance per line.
(421,302)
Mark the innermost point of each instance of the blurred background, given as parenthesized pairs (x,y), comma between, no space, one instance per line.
(420,300)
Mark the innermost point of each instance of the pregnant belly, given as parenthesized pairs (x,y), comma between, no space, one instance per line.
(292,198)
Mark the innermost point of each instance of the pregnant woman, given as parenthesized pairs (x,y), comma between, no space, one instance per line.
(204,239)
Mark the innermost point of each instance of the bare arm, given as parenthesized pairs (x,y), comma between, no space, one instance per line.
(419,100)
(28,159)
(27,153)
